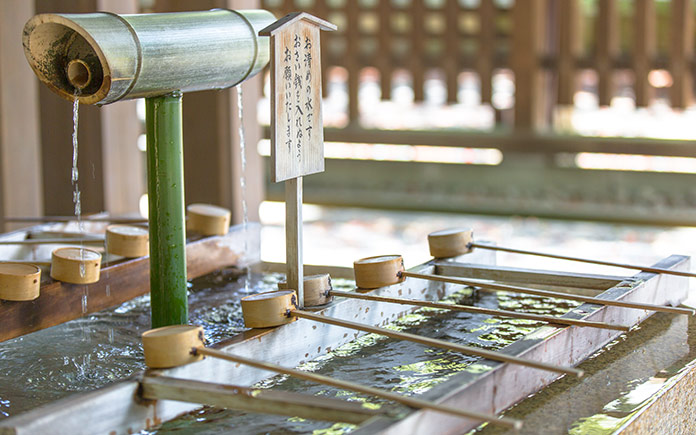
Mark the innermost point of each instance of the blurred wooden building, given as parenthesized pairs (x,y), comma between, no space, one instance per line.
(484,106)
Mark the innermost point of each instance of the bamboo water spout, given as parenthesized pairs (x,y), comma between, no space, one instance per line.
(102,58)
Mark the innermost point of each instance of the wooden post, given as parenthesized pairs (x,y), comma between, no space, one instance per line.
(484,54)
(451,61)
(607,50)
(297,133)
(568,50)
(529,28)
(20,145)
(680,55)
(293,237)
(384,62)
(417,61)
(644,37)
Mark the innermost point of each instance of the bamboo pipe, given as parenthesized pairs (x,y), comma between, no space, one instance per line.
(479,310)
(352,386)
(488,286)
(583,260)
(269,309)
(109,57)
(432,342)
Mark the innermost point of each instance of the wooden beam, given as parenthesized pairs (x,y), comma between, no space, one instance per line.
(60,302)
(521,142)
(255,400)
(20,142)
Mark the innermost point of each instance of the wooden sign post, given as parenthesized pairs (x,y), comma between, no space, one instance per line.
(297,132)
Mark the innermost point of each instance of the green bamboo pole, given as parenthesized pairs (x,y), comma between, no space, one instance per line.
(165,167)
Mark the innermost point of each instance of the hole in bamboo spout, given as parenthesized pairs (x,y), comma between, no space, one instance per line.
(79,74)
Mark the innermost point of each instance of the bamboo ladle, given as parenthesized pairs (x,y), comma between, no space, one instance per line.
(455,242)
(375,272)
(173,346)
(269,309)
(319,291)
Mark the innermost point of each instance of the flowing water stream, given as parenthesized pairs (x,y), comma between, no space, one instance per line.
(242,177)
(74,178)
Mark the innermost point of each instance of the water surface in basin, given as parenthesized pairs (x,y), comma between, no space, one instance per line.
(104,347)
(393,365)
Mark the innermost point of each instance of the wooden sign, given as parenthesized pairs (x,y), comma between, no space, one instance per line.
(297,134)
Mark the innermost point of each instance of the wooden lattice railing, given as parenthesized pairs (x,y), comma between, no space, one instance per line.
(544,42)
